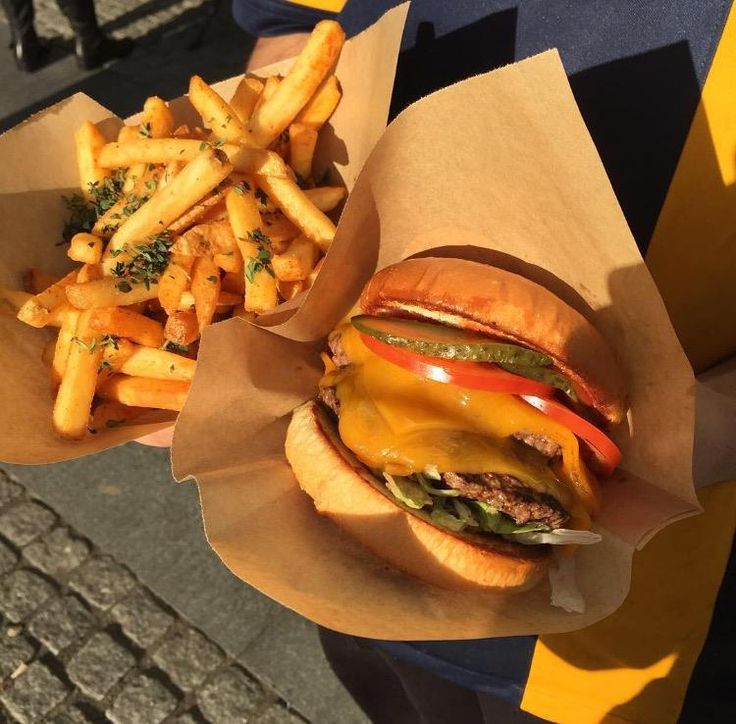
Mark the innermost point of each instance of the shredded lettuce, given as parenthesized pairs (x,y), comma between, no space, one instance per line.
(407,491)
(559,536)
(442,492)
(494,521)
(432,472)
(449,511)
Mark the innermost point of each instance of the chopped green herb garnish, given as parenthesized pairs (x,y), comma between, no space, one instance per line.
(104,365)
(213,279)
(261,262)
(145,130)
(241,188)
(174,347)
(262,197)
(109,340)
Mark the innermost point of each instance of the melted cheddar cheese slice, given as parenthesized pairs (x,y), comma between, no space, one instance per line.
(395,421)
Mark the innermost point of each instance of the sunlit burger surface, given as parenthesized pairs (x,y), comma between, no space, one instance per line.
(461,424)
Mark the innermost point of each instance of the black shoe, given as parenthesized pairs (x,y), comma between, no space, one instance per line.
(94,53)
(29,52)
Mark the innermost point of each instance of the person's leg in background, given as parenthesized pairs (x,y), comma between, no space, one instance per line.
(390,691)
(93,47)
(28,50)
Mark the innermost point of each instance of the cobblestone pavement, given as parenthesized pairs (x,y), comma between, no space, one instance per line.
(81,640)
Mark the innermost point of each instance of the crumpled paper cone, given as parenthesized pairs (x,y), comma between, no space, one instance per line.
(39,166)
(497,168)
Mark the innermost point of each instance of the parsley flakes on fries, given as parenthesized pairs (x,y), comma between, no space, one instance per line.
(178,227)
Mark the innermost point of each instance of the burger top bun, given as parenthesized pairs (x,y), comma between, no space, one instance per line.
(344,490)
(507,306)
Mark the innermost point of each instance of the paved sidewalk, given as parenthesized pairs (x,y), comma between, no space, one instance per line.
(81,637)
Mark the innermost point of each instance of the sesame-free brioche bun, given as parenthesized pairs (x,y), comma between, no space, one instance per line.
(507,306)
(344,490)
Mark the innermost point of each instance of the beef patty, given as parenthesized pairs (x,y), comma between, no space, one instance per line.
(510,496)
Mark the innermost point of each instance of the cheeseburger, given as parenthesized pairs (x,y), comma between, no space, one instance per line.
(460,427)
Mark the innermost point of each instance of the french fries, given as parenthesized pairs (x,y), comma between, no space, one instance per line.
(89,141)
(299,209)
(78,381)
(194,181)
(175,239)
(219,115)
(145,392)
(86,248)
(297,88)
(246,96)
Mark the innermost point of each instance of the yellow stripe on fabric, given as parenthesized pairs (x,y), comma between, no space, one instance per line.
(635,665)
(692,254)
(331,6)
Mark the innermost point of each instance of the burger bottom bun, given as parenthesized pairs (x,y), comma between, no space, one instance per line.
(344,490)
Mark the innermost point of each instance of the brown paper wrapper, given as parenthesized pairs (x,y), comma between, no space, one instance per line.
(497,168)
(39,166)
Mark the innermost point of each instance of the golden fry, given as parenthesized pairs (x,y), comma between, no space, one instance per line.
(245,220)
(108,292)
(219,115)
(206,240)
(86,248)
(194,182)
(144,392)
(298,208)
(77,388)
(130,201)
(171,285)
(288,290)
(120,322)
(302,142)
(89,142)
(157,364)
(322,104)
(326,198)
(205,289)
(230,261)
(269,88)
(224,299)
(296,262)
(246,96)
(234,282)
(182,327)
(89,272)
(128,133)
(63,344)
(36,311)
(317,58)
(157,121)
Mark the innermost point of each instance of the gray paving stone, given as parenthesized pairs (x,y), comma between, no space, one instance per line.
(143,700)
(57,553)
(8,559)
(102,581)
(188,657)
(22,592)
(99,665)
(230,696)
(8,489)
(186,718)
(34,694)
(63,623)
(278,714)
(74,715)
(141,618)
(14,651)
(25,521)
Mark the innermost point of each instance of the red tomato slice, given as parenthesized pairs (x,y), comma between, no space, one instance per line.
(472,375)
(603,448)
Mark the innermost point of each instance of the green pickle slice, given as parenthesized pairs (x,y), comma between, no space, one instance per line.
(543,374)
(434,340)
